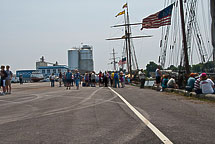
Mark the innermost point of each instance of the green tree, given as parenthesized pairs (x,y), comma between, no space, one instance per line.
(151,67)
(173,68)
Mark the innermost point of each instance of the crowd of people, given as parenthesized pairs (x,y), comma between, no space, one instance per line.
(90,79)
(198,83)
(67,79)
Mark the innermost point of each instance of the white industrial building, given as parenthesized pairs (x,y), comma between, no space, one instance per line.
(81,59)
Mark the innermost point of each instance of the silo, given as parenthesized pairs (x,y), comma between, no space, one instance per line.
(86,58)
(73,59)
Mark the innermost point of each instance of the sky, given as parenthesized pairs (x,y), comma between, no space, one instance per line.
(30,29)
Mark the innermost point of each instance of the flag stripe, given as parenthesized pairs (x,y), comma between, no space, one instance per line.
(158,19)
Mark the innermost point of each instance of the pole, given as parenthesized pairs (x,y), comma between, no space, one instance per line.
(186,60)
(114,59)
(126,45)
(213,27)
(129,43)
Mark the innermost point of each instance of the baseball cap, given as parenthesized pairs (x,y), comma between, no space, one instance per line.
(203,75)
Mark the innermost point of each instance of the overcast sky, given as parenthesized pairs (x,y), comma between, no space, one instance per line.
(30,29)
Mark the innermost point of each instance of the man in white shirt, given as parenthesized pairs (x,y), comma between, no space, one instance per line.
(207,85)
(142,78)
(171,83)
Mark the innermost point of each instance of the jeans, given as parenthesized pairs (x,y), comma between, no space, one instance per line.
(116,83)
(52,83)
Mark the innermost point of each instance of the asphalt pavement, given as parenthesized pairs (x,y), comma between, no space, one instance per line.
(35,113)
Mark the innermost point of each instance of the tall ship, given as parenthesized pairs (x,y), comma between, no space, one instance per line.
(187,34)
(129,55)
(189,40)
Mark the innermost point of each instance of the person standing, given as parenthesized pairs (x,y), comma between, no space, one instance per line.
(158,77)
(68,79)
(77,78)
(52,79)
(93,79)
(20,79)
(105,79)
(116,79)
(90,81)
(122,80)
(142,78)
(3,79)
(60,79)
(8,79)
(112,80)
(100,78)
(86,79)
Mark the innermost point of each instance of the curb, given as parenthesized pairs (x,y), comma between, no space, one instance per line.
(190,94)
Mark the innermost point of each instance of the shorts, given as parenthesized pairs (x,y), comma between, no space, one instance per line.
(8,82)
(60,79)
(158,79)
(3,83)
(93,80)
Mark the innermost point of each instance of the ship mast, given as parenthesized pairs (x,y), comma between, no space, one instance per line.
(114,60)
(128,38)
(129,43)
(186,60)
(213,26)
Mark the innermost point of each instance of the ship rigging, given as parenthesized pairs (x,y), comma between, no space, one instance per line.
(129,50)
(196,35)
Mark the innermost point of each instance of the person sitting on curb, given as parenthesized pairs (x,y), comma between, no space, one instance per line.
(171,83)
(206,84)
(190,82)
(197,85)
(164,82)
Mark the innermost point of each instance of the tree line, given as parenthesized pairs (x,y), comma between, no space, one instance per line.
(208,67)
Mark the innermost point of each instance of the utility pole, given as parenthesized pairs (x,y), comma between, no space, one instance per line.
(186,60)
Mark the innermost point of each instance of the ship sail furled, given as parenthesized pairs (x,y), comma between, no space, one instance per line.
(213,26)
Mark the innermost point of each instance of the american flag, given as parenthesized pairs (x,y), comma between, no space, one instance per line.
(122,61)
(158,19)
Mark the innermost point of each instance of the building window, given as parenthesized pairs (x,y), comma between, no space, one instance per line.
(59,70)
(54,70)
(48,71)
(43,71)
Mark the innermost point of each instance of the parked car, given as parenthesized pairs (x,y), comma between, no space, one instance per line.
(15,80)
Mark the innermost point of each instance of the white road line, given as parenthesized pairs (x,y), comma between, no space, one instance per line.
(157,132)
